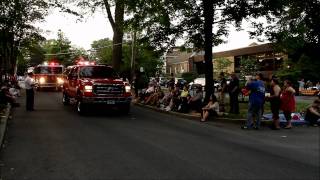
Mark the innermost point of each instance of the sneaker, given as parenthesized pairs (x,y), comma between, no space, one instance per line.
(245,127)
(256,128)
(288,127)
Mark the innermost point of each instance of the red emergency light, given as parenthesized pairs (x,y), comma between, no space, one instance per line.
(86,63)
(53,63)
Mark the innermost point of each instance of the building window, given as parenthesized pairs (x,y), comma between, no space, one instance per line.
(237,64)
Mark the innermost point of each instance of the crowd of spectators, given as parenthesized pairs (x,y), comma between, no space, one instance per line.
(9,92)
(184,100)
(191,99)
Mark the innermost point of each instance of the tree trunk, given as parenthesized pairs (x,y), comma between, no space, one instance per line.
(118,35)
(208,35)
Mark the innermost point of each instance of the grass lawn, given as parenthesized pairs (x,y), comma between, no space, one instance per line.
(300,106)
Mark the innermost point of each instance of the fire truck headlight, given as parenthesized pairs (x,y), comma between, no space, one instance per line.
(42,80)
(128,89)
(87,88)
(60,81)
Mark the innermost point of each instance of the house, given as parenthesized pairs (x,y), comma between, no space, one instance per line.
(267,59)
(265,56)
(177,61)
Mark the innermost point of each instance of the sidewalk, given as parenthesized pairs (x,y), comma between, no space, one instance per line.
(197,116)
(4,116)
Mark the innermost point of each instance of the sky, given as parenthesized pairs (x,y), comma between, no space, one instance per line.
(95,27)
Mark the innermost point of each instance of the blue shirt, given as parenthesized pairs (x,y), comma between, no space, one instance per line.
(257,92)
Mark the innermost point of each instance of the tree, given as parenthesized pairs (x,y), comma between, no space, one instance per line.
(248,67)
(222,64)
(58,49)
(16,28)
(116,21)
(295,28)
(102,50)
(202,23)
(146,56)
(189,76)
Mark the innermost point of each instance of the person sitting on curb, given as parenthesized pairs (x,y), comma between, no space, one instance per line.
(195,102)
(153,99)
(313,113)
(164,102)
(6,97)
(174,102)
(146,93)
(183,100)
(14,90)
(211,109)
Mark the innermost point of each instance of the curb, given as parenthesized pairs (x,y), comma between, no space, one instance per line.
(196,118)
(3,124)
(219,119)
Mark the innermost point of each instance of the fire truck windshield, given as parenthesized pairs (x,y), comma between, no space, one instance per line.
(48,70)
(98,72)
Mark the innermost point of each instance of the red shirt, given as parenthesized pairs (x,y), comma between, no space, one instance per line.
(288,102)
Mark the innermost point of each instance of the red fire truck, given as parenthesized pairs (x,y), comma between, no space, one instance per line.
(49,75)
(92,85)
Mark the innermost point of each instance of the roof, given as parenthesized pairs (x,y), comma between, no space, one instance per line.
(252,49)
(177,57)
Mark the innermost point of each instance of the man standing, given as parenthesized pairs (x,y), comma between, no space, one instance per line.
(301,85)
(171,81)
(29,84)
(256,101)
(223,90)
(234,93)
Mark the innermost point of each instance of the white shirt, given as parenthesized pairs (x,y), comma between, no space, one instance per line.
(29,82)
(14,92)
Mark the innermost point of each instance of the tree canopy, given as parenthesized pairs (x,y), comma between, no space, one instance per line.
(295,28)
(146,56)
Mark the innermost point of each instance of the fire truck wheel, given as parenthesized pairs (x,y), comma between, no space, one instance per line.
(81,109)
(65,99)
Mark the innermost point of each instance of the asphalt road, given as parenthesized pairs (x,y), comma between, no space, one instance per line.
(54,142)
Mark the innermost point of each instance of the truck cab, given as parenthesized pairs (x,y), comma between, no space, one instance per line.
(96,85)
(48,76)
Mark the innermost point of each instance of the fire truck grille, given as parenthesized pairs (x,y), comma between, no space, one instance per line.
(51,79)
(112,89)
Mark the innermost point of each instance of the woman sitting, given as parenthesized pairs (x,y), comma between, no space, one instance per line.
(174,102)
(154,98)
(183,100)
(211,109)
(195,102)
(313,113)
(165,101)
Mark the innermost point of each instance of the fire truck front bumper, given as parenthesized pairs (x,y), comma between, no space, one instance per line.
(107,100)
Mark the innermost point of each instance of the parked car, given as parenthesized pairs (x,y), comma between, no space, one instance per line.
(180,82)
(163,82)
(202,81)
